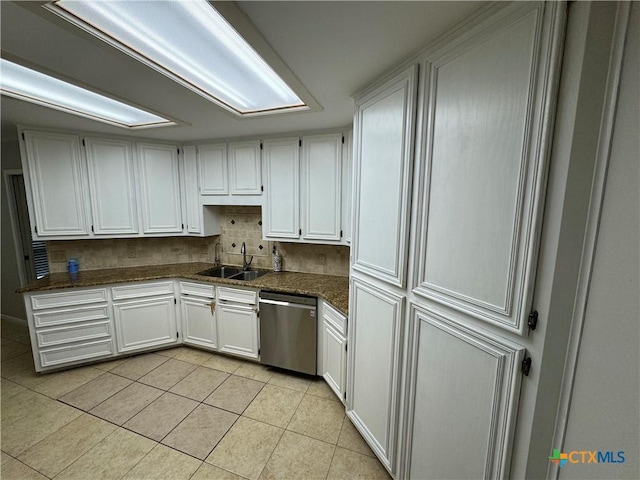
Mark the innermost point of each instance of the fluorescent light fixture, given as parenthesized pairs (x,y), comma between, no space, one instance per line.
(25,84)
(191,43)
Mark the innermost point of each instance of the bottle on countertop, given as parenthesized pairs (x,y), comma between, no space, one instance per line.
(277,260)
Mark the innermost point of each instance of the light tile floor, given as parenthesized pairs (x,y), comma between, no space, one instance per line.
(175,414)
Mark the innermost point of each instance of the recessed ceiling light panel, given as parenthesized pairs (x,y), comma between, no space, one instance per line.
(25,84)
(191,43)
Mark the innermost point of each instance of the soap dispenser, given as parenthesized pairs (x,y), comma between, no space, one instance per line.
(277,260)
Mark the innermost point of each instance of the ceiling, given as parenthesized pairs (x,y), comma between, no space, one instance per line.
(334,48)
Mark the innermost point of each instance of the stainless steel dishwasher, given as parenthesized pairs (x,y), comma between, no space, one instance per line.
(288,331)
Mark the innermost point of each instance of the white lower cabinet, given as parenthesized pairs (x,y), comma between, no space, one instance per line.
(237,315)
(334,350)
(69,327)
(375,331)
(198,309)
(145,315)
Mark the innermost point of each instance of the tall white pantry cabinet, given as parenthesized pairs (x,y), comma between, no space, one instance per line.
(451,152)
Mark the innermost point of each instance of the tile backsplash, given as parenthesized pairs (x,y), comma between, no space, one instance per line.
(239,224)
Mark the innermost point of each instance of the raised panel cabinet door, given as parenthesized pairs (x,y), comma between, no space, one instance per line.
(483,175)
(334,360)
(321,187)
(112,186)
(160,188)
(383,141)
(238,330)
(246,172)
(463,391)
(58,184)
(145,323)
(214,178)
(199,322)
(193,207)
(281,188)
(347,178)
(374,336)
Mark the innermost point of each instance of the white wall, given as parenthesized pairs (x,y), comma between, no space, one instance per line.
(605,409)
(11,302)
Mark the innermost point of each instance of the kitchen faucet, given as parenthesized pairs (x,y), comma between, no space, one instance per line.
(243,251)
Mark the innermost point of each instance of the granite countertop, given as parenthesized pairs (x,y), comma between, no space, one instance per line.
(332,288)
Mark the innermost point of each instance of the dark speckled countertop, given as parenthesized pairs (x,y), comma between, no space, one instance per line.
(332,288)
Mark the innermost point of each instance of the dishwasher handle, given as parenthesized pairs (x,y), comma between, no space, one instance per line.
(287,304)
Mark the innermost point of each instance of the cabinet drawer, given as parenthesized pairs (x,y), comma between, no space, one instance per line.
(198,289)
(70,315)
(237,295)
(75,333)
(67,299)
(74,353)
(334,318)
(138,290)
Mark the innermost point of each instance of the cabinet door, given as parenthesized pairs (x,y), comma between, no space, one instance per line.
(347,176)
(213,169)
(112,186)
(238,330)
(244,162)
(383,136)
(147,323)
(191,195)
(334,360)
(375,326)
(58,184)
(160,188)
(199,321)
(282,193)
(321,187)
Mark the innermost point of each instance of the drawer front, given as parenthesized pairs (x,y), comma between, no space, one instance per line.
(139,290)
(237,295)
(67,299)
(334,318)
(70,315)
(75,353)
(75,333)
(198,289)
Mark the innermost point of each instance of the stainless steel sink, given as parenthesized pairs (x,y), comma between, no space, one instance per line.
(248,275)
(220,272)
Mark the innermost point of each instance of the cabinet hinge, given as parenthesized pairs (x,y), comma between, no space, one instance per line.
(175,302)
(533,320)
(300,142)
(83,144)
(183,226)
(262,188)
(177,334)
(345,396)
(261,146)
(343,139)
(36,228)
(340,233)
(258,351)
(526,366)
(92,229)
(178,151)
(300,231)
(346,347)
(22,135)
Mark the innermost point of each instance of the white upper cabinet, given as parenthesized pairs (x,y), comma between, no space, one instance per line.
(58,185)
(159,188)
(193,210)
(244,161)
(281,215)
(112,186)
(347,176)
(213,169)
(482,175)
(383,134)
(321,187)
